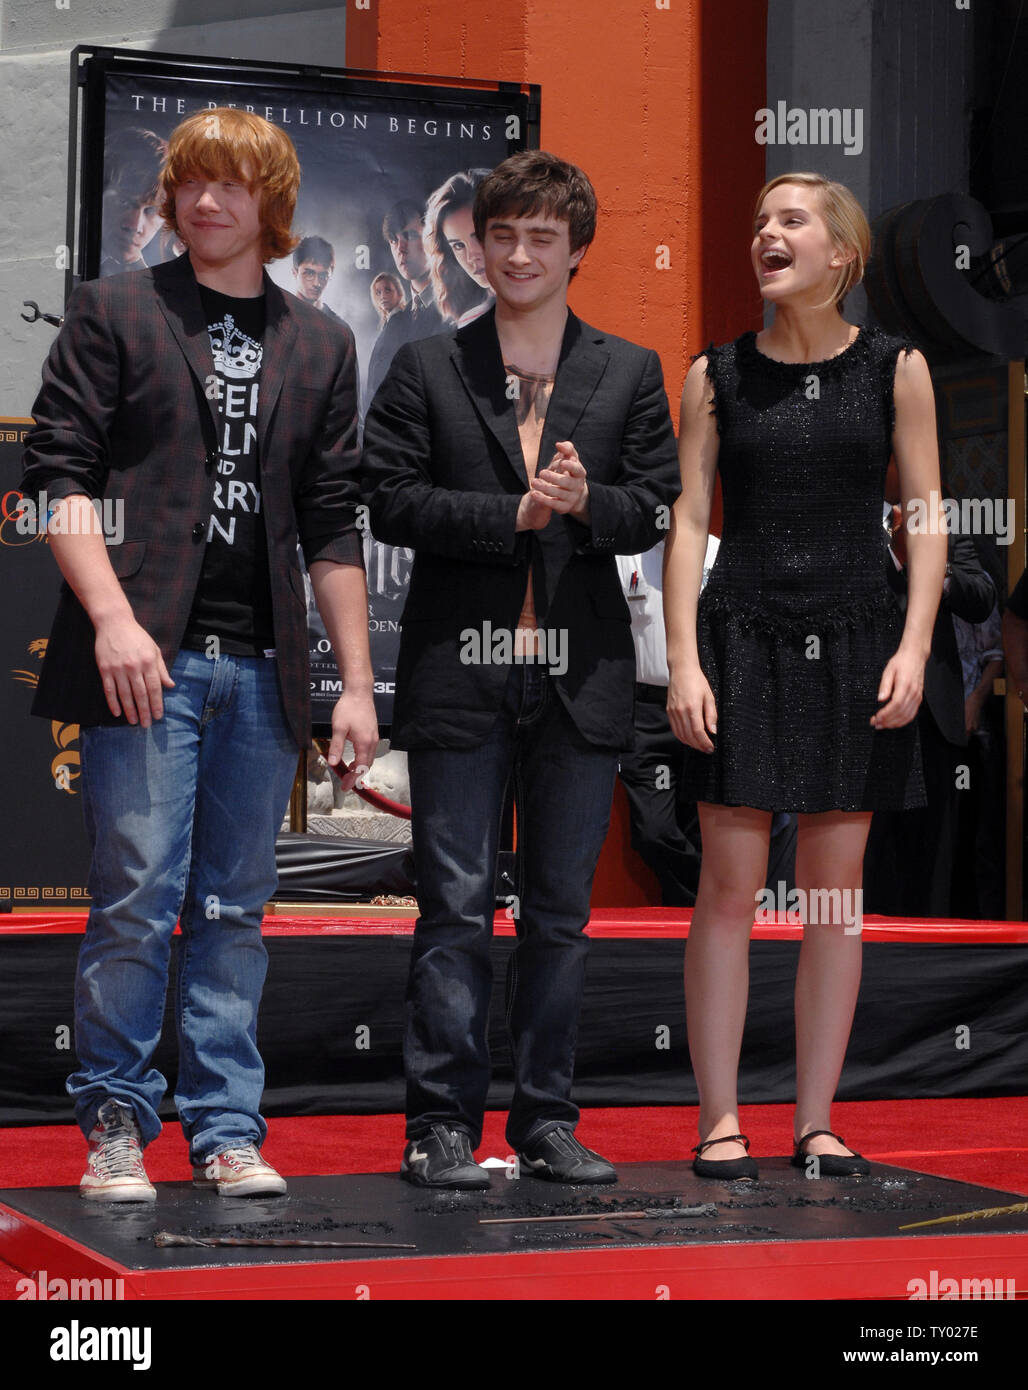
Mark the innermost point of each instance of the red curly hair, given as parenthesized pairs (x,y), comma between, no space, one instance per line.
(224,143)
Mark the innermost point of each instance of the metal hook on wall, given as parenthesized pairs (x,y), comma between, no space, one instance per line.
(55,319)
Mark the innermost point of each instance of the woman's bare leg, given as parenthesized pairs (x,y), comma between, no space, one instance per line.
(829,856)
(732,873)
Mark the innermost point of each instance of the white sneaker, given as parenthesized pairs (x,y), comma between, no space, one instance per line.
(114,1168)
(239,1172)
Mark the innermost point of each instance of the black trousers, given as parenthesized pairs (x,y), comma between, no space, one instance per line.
(908,865)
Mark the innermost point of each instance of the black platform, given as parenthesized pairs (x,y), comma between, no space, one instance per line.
(785,1236)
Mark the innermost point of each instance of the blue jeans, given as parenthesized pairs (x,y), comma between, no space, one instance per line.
(182,819)
(563,787)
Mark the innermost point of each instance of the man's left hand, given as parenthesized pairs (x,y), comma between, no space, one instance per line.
(353,718)
(562,486)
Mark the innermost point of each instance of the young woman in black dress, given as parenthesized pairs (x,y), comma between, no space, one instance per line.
(794,679)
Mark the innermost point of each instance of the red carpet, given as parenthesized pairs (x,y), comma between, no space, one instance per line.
(979,1141)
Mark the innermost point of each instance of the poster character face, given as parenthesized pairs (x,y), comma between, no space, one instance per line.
(408,252)
(386,295)
(312,280)
(528,260)
(458,229)
(219,219)
(130,221)
(130,215)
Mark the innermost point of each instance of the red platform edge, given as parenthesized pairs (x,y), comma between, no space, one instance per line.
(876,1269)
(655,923)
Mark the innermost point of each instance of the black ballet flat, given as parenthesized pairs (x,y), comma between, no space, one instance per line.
(727,1169)
(831,1165)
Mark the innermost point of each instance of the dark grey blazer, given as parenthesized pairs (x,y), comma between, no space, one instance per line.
(123,414)
(443,473)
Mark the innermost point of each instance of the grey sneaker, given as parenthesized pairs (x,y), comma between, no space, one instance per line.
(114,1168)
(239,1172)
(443,1158)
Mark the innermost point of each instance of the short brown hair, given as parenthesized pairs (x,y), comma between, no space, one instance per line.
(534,181)
(846,222)
(218,143)
(132,163)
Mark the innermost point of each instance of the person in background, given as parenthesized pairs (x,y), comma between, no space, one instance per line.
(978,864)
(664,826)
(908,864)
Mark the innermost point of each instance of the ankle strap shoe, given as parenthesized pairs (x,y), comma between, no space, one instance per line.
(727,1169)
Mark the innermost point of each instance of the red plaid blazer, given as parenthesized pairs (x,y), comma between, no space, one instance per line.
(123,414)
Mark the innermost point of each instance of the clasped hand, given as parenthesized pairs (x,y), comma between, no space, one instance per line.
(560,487)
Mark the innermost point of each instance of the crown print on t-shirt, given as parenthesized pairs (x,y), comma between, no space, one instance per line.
(236,354)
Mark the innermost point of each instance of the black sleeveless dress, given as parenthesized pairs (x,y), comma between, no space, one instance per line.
(797,620)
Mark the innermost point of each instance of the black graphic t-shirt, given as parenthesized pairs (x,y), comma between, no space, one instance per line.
(233,597)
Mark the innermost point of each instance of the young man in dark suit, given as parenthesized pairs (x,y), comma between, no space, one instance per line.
(516,458)
(402,227)
(218,416)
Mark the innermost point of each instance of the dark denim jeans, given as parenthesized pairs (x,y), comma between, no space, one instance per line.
(563,788)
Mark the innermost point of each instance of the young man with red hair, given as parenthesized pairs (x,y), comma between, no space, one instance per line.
(220,416)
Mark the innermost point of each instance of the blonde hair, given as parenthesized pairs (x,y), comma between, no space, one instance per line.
(217,144)
(846,222)
(396,282)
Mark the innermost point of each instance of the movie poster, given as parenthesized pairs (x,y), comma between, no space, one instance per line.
(384,213)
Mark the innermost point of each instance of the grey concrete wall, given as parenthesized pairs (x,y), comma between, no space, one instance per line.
(819,55)
(923,64)
(908,67)
(36,38)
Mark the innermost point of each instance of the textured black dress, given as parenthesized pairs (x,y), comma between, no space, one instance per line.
(797,620)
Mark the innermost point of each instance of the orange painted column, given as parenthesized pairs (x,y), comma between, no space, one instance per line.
(620,97)
(655,100)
